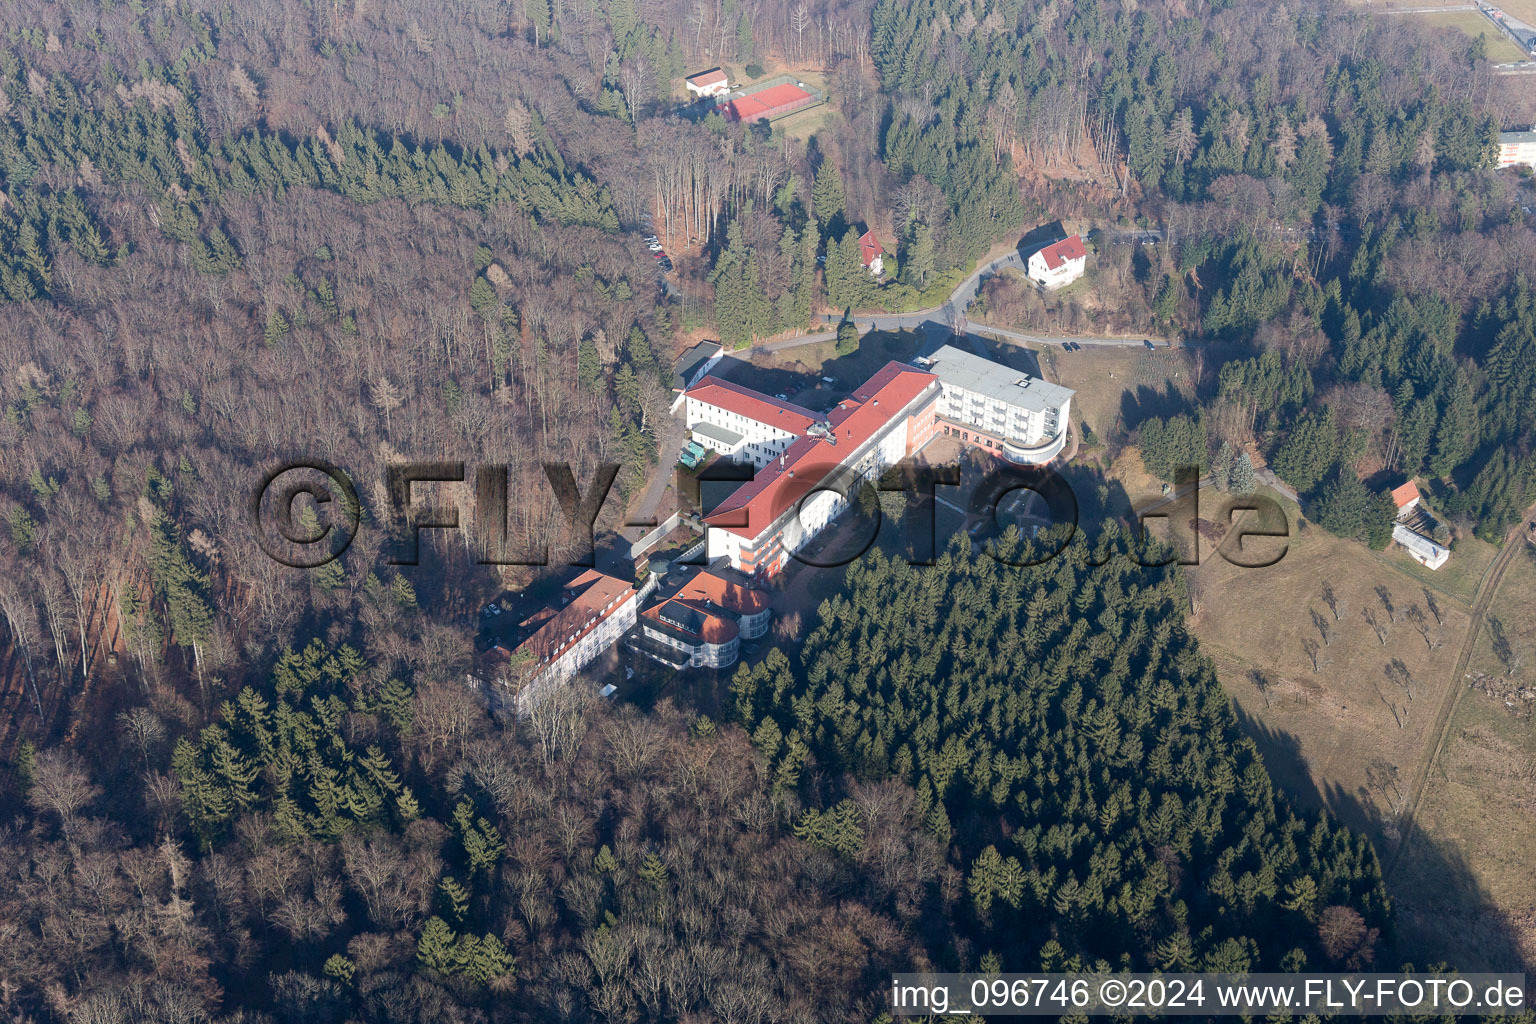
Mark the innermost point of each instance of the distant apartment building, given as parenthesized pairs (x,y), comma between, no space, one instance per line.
(742,424)
(1517,149)
(988,405)
(1059,263)
(703,624)
(591,613)
(708,83)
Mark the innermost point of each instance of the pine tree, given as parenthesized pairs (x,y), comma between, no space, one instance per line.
(1242,480)
(1222,466)
(848,283)
(437,948)
(482,843)
(827,200)
(918,258)
(340,968)
(454,896)
(653,871)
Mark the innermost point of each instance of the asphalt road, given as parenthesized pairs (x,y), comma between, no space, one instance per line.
(938,322)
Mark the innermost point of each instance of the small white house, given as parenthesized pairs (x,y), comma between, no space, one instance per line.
(1424,551)
(1059,263)
(708,83)
(871,253)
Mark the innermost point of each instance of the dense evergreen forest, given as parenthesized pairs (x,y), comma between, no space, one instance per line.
(1068,743)
(1326,215)
(233,233)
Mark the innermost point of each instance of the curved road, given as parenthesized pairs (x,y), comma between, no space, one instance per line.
(937,322)
(941,318)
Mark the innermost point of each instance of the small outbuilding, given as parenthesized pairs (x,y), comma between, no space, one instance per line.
(708,83)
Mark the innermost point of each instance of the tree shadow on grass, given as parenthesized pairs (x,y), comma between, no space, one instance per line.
(1442,914)
(1142,403)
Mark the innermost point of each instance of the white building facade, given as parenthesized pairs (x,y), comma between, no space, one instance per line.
(741,424)
(808,486)
(601,610)
(713,82)
(1517,149)
(1059,264)
(988,405)
(1423,550)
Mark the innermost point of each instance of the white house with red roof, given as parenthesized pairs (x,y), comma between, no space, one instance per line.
(742,424)
(704,622)
(592,613)
(1059,263)
(708,83)
(1412,523)
(870,253)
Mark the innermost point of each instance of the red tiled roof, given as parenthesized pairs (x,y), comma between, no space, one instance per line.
(706,586)
(1401,496)
(745,402)
(714,76)
(592,594)
(869,247)
(713,628)
(807,463)
(1060,252)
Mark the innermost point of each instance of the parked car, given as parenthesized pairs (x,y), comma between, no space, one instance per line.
(781,396)
(1149,344)
(666,264)
(490,611)
(653,246)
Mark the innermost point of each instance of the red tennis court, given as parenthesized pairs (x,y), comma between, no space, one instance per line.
(772,102)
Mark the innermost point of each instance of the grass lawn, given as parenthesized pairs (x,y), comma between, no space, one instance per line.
(1479,809)
(1472,24)
(1320,729)
(876,348)
(1463,887)
(1525,10)
(1113,381)
(802,124)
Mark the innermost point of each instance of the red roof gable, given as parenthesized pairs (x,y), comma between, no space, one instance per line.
(593,597)
(807,463)
(706,586)
(869,247)
(745,402)
(1406,494)
(714,76)
(1060,252)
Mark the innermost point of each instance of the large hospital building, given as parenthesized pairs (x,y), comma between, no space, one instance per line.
(808,466)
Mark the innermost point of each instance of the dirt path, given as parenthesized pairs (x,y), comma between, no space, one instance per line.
(1514,543)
